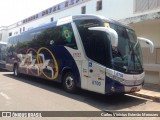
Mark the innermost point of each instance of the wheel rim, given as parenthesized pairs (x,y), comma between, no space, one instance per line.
(69,82)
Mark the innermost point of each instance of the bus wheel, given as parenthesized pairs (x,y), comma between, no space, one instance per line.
(69,84)
(15,70)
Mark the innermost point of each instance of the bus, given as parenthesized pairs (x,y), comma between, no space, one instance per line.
(3,46)
(82,51)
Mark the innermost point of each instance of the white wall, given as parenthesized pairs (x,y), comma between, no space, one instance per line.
(111,8)
(4,34)
(149,29)
(118,9)
(114,9)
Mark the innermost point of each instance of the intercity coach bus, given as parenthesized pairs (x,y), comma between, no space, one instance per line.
(82,51)
(3,46)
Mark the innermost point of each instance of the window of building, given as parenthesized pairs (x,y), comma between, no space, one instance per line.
(143,5)
(23,28)
(20,30)
(83,10)
(10,34)
(99,5)
(52,19)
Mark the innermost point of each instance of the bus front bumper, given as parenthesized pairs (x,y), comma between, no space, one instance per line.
(115,87)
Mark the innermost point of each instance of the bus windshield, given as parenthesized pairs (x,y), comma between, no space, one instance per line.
(127,56)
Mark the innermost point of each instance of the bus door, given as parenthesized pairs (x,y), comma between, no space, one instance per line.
(96,52)
(96,81)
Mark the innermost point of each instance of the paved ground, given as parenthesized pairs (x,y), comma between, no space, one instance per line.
(32,94)
(150,91)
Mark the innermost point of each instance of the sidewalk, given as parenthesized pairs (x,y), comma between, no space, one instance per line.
(149,91)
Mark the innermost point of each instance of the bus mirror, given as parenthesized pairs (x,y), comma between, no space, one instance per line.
(149,42)
(113,34)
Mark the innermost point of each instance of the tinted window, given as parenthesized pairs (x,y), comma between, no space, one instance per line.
(123,39)
(60,35)
(96,43)
(96,46)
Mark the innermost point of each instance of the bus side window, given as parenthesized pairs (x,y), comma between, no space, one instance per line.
(63,35)
(96,44)
(97,47)
(59,35)
(68,35)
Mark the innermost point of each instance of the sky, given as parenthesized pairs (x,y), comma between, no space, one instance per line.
(12,11)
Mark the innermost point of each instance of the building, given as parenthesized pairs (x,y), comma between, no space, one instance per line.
(146,22)
(69,7)
(142,15)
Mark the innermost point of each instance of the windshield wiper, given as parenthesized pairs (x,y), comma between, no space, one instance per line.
(139,61)
(132,53)
(136,44)
(129,59)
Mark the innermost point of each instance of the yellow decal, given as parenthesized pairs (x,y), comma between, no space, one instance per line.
(55,62)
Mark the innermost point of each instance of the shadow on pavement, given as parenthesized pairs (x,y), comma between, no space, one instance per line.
(98,101)
(3,70)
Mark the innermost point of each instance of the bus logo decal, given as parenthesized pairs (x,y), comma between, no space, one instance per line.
(118,74)
(90,64)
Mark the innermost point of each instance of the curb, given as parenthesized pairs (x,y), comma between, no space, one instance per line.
(154,84)
(154,98)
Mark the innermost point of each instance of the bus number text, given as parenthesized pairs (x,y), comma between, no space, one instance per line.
(97,83)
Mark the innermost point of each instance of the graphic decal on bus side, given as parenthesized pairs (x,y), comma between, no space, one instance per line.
(38,63)
(32,52)
(45,64)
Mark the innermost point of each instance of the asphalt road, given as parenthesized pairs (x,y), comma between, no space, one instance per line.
(32,94)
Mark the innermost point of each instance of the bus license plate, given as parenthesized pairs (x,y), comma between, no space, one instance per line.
(134,89)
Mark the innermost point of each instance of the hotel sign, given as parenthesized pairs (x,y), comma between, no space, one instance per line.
(53,9)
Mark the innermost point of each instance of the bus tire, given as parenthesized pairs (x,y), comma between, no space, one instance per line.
(69,84)
(15,70)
